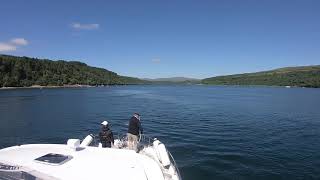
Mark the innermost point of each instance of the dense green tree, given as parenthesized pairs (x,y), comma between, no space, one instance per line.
(24,71)
(304,76)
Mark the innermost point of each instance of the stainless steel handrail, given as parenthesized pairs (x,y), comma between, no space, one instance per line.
(145,139)
(175,164)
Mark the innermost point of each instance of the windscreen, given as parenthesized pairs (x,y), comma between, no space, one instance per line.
(14,173)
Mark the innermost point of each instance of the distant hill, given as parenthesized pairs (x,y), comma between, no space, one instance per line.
(174,80)
(302,76)
(25,71)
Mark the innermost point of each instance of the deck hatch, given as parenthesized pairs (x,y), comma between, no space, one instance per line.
(54,159)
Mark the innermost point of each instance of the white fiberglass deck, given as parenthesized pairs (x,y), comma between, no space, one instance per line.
(86,163)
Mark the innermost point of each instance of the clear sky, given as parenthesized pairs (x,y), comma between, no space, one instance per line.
(165,38)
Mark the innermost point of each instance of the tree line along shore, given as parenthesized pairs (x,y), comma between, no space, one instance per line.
(301,76)
(32,72)
(27,72)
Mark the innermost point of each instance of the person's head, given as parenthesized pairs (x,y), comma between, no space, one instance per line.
(105,124)
(137,115)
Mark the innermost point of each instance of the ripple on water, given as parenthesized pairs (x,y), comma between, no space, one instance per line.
(213,132)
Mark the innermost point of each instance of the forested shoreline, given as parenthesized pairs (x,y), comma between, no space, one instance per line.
(26,72)
(33,72)
(303,76)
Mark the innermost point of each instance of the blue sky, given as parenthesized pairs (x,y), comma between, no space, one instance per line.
(165,38)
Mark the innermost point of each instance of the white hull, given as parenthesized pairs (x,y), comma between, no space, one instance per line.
(86,162)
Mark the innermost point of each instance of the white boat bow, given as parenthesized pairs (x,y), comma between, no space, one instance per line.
(86,160)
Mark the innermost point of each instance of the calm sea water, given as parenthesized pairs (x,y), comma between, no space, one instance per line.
(213,132)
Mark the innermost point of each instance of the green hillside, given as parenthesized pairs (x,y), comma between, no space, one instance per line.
(173,81)
(303,76)
(24,71)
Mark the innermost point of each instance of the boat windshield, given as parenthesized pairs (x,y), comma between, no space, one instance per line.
(17,175)
(10,172)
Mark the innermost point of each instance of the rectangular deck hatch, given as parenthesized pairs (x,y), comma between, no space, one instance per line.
(54,159)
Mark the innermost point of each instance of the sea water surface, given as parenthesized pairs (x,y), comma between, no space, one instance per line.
(213,132)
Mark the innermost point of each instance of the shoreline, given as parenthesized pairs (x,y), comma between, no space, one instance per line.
(89,86)
(47,87)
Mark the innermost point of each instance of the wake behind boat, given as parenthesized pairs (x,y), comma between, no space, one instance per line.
(87,159)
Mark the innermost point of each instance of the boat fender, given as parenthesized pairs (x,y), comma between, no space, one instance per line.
(87,141)
(73,143)
(161,153)
(171,170)
(175,177)
(156,143)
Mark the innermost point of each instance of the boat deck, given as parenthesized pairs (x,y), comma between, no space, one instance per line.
(86,163)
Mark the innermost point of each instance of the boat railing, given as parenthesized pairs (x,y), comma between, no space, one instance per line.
(145,140)
(174,164)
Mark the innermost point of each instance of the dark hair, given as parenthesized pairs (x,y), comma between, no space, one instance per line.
(136,114)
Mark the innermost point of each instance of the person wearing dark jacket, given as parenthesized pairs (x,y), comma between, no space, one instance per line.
(106,135)
(134,130)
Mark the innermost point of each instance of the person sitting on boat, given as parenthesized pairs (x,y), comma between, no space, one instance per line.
(106,135)
(134,130)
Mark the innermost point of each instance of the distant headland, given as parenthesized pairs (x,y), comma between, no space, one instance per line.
(301,76)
